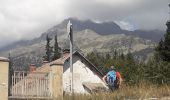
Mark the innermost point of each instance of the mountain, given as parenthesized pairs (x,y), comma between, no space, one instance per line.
(154,35)
(88,36)
(105,28)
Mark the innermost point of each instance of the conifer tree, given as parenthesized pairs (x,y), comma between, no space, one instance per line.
(163,49)
(56,49)
(108,56)
(115,54)
(122,56)
(49,50)
(161,63)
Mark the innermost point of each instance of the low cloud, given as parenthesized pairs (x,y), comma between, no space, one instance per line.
(26,19)
(125,25)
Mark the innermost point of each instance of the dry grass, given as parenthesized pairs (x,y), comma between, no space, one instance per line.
(143,91)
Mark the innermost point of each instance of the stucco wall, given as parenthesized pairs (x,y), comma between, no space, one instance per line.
(57,81)
(4,65)
(81,74)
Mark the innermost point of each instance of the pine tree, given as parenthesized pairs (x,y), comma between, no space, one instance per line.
(108,56)
(163,49)
(161,63)
(131,72)
(122,56)
(49,50)
(115,54)
(56,49)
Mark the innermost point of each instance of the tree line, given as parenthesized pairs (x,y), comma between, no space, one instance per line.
(156,70)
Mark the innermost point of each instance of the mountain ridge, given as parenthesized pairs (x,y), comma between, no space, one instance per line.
(105,28)
(86,39)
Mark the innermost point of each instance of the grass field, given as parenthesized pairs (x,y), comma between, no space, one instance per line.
(140,92)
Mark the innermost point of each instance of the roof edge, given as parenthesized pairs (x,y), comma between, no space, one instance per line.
(57,63)
(101,74)
(4,59)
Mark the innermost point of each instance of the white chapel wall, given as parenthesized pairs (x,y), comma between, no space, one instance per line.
(81,74)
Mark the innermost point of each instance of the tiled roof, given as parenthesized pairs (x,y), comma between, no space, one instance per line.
(60,61)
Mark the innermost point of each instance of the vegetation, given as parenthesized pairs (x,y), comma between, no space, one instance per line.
(144,91)
(156,70)
(163,49)
(52,53)
(131,71)
(161,61)
(49,50)
(56,50)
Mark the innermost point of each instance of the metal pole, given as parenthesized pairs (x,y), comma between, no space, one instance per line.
(71,56)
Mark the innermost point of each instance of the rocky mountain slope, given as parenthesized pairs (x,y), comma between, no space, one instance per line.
(88,36)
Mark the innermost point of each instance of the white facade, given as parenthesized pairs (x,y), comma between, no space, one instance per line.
(82,73)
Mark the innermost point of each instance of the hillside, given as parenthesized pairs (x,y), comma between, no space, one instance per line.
(88,36)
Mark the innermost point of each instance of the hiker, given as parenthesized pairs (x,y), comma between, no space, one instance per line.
(113,79)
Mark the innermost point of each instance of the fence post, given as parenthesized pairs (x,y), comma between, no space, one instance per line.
(4,65)
(57,82)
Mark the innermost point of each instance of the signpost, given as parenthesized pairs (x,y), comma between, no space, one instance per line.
(70,34)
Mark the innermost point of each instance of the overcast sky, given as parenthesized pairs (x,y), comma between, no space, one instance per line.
(26,19)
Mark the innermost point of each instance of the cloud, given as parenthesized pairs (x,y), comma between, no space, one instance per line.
(146,14)
(125,25)
(26,19)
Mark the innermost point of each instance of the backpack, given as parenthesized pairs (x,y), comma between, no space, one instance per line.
(111,77)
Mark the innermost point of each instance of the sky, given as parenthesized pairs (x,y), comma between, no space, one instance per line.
(27,19)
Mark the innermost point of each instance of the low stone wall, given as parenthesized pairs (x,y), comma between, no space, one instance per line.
(56,82)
